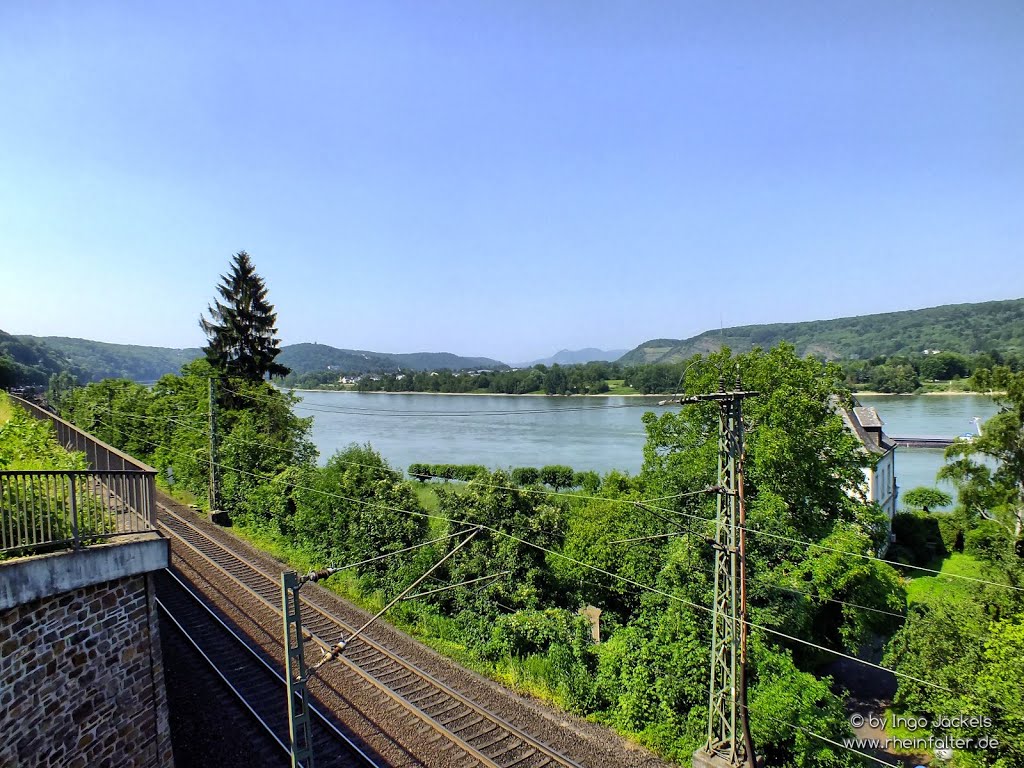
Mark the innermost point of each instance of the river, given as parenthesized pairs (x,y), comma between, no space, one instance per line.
(927,416)
(599,433)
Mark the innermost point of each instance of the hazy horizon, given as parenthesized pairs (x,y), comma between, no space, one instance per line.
(510,361)
(504,180)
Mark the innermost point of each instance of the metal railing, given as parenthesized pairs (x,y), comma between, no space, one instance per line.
(98,454)
(43,510)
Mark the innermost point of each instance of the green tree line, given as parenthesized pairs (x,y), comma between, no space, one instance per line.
(540,557)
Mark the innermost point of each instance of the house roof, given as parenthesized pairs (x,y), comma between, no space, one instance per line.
(859,420)
(868,417)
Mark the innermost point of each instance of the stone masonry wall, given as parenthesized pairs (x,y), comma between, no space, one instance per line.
(81,680)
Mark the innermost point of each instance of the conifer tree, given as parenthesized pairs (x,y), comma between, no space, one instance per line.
(241,328)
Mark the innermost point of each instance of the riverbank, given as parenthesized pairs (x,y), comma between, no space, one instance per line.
(941,393)
(866,393)
(472,394)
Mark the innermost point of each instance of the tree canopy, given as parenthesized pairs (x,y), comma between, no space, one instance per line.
(241,329)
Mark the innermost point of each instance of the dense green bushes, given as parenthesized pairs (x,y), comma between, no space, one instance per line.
(28,443)
(918,540)
(42,513)
(463,472)
(556,476)
(512,592)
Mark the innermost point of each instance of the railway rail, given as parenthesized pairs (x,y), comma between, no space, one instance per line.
(473,735)
(259,687)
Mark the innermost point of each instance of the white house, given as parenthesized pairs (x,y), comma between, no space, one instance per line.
(866,424)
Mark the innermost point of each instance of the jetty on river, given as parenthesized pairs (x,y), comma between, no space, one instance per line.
(924,442)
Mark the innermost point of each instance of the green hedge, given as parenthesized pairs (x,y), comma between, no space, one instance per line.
(918,538)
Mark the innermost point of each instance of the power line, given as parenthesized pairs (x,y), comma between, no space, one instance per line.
(356,410)
(644,504)
(813,596)
(834,743)
(895,563)
(761,581)
(748,529)
(589,566)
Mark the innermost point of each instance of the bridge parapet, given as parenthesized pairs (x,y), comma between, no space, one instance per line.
(44,510)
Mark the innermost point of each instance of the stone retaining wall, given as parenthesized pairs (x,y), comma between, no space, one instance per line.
(81,679)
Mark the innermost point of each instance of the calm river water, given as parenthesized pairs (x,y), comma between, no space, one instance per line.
(927,416)
(600,433)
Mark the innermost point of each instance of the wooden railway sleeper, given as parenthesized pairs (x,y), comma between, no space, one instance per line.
(453,706)
(423,686)
(465,726)
(508,749)
(432,700)
(454,719)
(492,742)
(389,678)
(519,760)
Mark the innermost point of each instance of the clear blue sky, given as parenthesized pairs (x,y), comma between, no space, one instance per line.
(505,178)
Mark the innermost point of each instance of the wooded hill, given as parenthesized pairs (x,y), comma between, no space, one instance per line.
(25,361)
(97,360)
(30,360)
(306,358)
(964,328)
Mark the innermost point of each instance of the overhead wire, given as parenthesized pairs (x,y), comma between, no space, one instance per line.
(695,605)
(646,505)
(357,410)
(826,739)
(806,543)
(616,577)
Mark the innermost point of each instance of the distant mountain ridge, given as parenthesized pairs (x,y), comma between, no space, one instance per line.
(32,359)
(963,328)
(577,357)
(309,357)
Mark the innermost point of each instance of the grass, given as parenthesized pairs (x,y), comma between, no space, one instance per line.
(6,409)
(179,494)
(953,385)
(426,493)
(933,589)
(618,387)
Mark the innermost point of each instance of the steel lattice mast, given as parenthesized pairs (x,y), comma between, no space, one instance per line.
(728,735)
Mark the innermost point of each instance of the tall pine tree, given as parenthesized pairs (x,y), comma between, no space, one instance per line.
(241,328)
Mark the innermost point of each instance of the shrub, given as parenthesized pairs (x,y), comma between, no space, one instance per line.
(467,472)
(420,472)
(588,481)
(525,475)
(529,632)
(918,537)
(988,541)
(557,476)
(443,471)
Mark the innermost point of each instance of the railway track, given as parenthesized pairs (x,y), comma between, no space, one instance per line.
(472,735)
(259,686)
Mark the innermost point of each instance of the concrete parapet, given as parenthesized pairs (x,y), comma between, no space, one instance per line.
(26,579)
(81,675)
